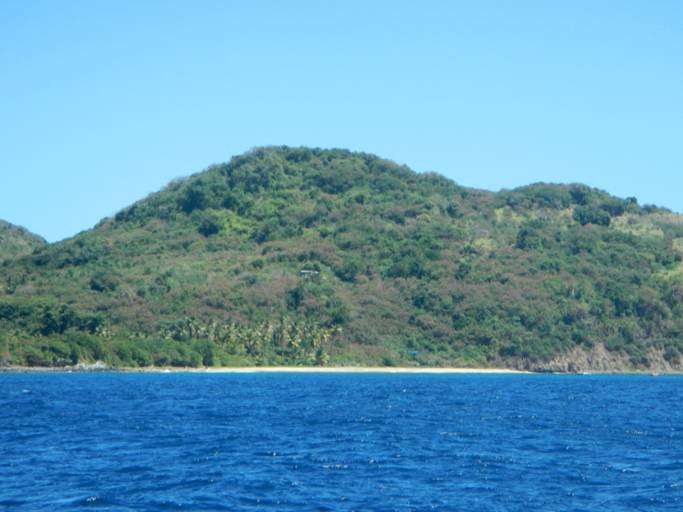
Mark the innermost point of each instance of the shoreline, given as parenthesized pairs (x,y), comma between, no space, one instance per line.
(350,369)
(264,369)
(314,369)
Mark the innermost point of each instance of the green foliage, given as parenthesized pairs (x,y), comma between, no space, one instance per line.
(591,215)
(104,281)
(532,235)
(310,256)
(16,241)
(210,223)
(409,261)
(539,195)
(350,269)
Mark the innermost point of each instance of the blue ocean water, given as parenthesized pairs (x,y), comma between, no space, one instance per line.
(340,442)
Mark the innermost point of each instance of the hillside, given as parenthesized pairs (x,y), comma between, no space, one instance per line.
(309,256)
(16,241)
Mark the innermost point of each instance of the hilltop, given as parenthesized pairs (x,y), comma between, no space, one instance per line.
(16,241)
(310,256)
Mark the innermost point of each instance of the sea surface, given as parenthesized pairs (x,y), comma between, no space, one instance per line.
(365,442)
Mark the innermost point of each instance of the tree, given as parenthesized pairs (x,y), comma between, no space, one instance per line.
(591,215)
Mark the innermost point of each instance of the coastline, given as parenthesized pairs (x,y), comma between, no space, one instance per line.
(315,369)
(268,369)
(350,369)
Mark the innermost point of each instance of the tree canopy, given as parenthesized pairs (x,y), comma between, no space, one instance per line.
(312,256)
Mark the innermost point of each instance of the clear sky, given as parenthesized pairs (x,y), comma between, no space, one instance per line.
(103,102)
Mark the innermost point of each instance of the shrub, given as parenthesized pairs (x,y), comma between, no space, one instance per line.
(590,215)
(104,282)
(210,224)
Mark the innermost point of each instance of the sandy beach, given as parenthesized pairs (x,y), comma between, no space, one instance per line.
(271,369)
(332,369)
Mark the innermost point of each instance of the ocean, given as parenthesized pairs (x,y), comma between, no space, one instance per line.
(328,442)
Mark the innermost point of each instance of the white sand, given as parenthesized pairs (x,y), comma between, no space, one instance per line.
(337,369)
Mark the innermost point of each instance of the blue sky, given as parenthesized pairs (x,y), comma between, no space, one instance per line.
(103,102)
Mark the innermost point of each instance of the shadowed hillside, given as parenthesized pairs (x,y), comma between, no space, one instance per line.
(309,256)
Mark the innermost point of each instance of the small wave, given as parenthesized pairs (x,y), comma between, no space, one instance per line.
(335,466)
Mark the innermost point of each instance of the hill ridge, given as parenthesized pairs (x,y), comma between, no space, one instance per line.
(16,241)
(314,256)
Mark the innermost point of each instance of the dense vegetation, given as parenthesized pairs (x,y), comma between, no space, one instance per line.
(308,256)
(16,241)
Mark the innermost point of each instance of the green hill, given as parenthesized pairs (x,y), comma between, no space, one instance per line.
(309,256)
(16,241)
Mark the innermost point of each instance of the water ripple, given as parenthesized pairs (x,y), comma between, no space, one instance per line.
(340,442)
